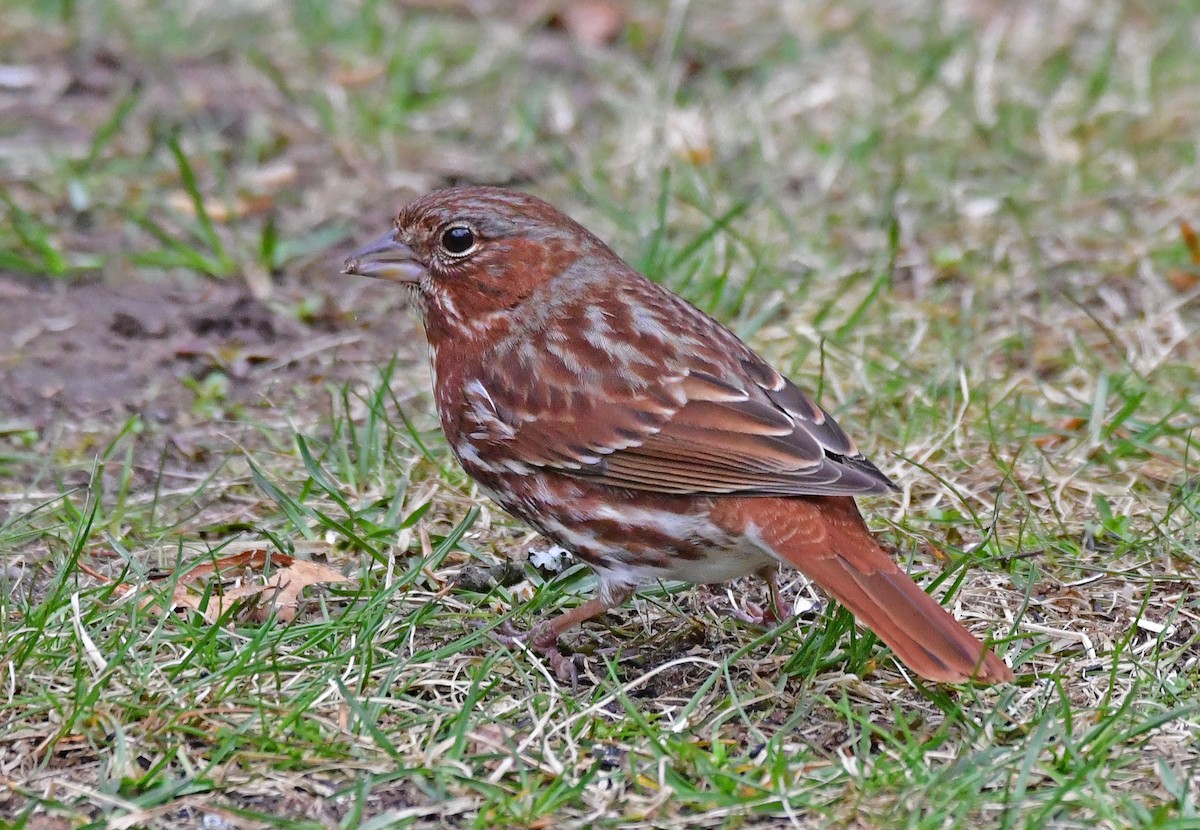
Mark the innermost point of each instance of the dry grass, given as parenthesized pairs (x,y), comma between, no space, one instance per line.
(959,222)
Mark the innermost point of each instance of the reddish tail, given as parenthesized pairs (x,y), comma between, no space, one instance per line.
(826,538)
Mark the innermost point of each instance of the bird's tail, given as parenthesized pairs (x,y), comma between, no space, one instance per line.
(827,540)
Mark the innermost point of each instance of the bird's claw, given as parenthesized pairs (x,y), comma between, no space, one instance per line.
(545,644)
(753,614)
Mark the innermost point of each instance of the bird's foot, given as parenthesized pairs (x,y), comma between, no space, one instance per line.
(543,641)
(752,613)
(777,610)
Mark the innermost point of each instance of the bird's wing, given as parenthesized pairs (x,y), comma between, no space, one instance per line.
(746,438)
(748,430)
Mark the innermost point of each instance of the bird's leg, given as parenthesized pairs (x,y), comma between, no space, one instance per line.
(781,608)
(543,638)
(778,609)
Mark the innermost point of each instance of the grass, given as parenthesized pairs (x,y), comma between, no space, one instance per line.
(959,225)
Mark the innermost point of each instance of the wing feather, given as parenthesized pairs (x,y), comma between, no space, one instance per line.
(697,413)
(725,440)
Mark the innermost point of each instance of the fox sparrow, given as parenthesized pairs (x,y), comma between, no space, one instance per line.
(636,431)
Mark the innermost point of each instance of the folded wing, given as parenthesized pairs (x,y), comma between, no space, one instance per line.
(747,430)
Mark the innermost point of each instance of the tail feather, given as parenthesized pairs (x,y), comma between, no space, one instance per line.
(826,539)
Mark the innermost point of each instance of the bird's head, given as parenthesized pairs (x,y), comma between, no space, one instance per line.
(470,255)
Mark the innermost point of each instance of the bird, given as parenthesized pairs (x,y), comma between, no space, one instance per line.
(636,431)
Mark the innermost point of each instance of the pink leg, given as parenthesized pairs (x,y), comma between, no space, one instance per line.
(543,638)
(778,610)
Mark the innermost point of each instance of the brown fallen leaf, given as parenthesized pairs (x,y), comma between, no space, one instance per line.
(356,77)
(1063,429)
(937,553)
(593,23)
(287,583)
(1191,240)
(1185,279)
(271,178)
(278,593)
(220,210)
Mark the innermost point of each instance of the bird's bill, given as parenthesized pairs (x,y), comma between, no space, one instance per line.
(386,258)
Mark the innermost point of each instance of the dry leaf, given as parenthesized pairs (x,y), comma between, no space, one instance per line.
(290,581)
(279,593)
(491,738)
(1065,427)
(937,553)
(592,22)
(271,178)
(1185,279)
(221,210)
(1191,240)
(356,77)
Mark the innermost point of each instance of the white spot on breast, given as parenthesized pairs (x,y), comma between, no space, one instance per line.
(570,535)
(663,521)
(448,306)
(484,412)
(469,456)
(481,390)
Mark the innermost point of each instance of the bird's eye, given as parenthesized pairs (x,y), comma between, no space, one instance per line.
(458,240)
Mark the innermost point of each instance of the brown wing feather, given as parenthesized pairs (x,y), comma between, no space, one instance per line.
(707,447)
(706,416)
(747,444)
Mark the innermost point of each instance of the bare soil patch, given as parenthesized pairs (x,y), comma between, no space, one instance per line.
(100,354)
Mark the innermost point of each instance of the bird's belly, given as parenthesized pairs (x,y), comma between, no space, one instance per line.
(720,565)
(631,538)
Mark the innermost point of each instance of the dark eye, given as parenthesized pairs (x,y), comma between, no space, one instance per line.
(458,240)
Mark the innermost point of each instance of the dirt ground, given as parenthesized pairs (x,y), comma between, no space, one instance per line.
(102,353)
